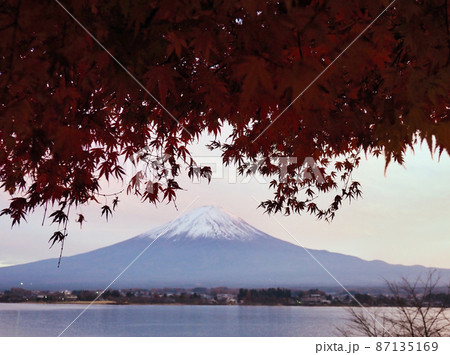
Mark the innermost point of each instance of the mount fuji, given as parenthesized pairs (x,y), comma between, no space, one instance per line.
(206,247)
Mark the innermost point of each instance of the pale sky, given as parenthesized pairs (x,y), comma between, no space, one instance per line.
(403,217)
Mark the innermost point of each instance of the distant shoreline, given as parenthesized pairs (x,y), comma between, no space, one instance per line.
(215,296)
(112,303)
(108,303)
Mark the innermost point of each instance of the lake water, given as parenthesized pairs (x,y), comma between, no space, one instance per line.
(179,321)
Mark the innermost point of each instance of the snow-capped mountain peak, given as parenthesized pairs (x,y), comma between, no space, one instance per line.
(206,222)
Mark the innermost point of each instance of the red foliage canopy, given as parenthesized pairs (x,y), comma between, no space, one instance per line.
(70,112)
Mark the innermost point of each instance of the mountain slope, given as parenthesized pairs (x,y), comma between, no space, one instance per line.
(206,247)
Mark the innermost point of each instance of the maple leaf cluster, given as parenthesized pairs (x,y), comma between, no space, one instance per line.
(70,114)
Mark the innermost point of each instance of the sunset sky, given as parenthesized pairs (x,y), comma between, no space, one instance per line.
(403,217)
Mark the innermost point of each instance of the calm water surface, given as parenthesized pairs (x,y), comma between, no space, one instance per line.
(149,320)
(181,321)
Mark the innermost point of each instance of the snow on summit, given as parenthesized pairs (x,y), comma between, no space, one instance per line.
(207,222)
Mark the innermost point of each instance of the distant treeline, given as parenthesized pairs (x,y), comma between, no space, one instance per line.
(434,299)
(219,296)
(266,296)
